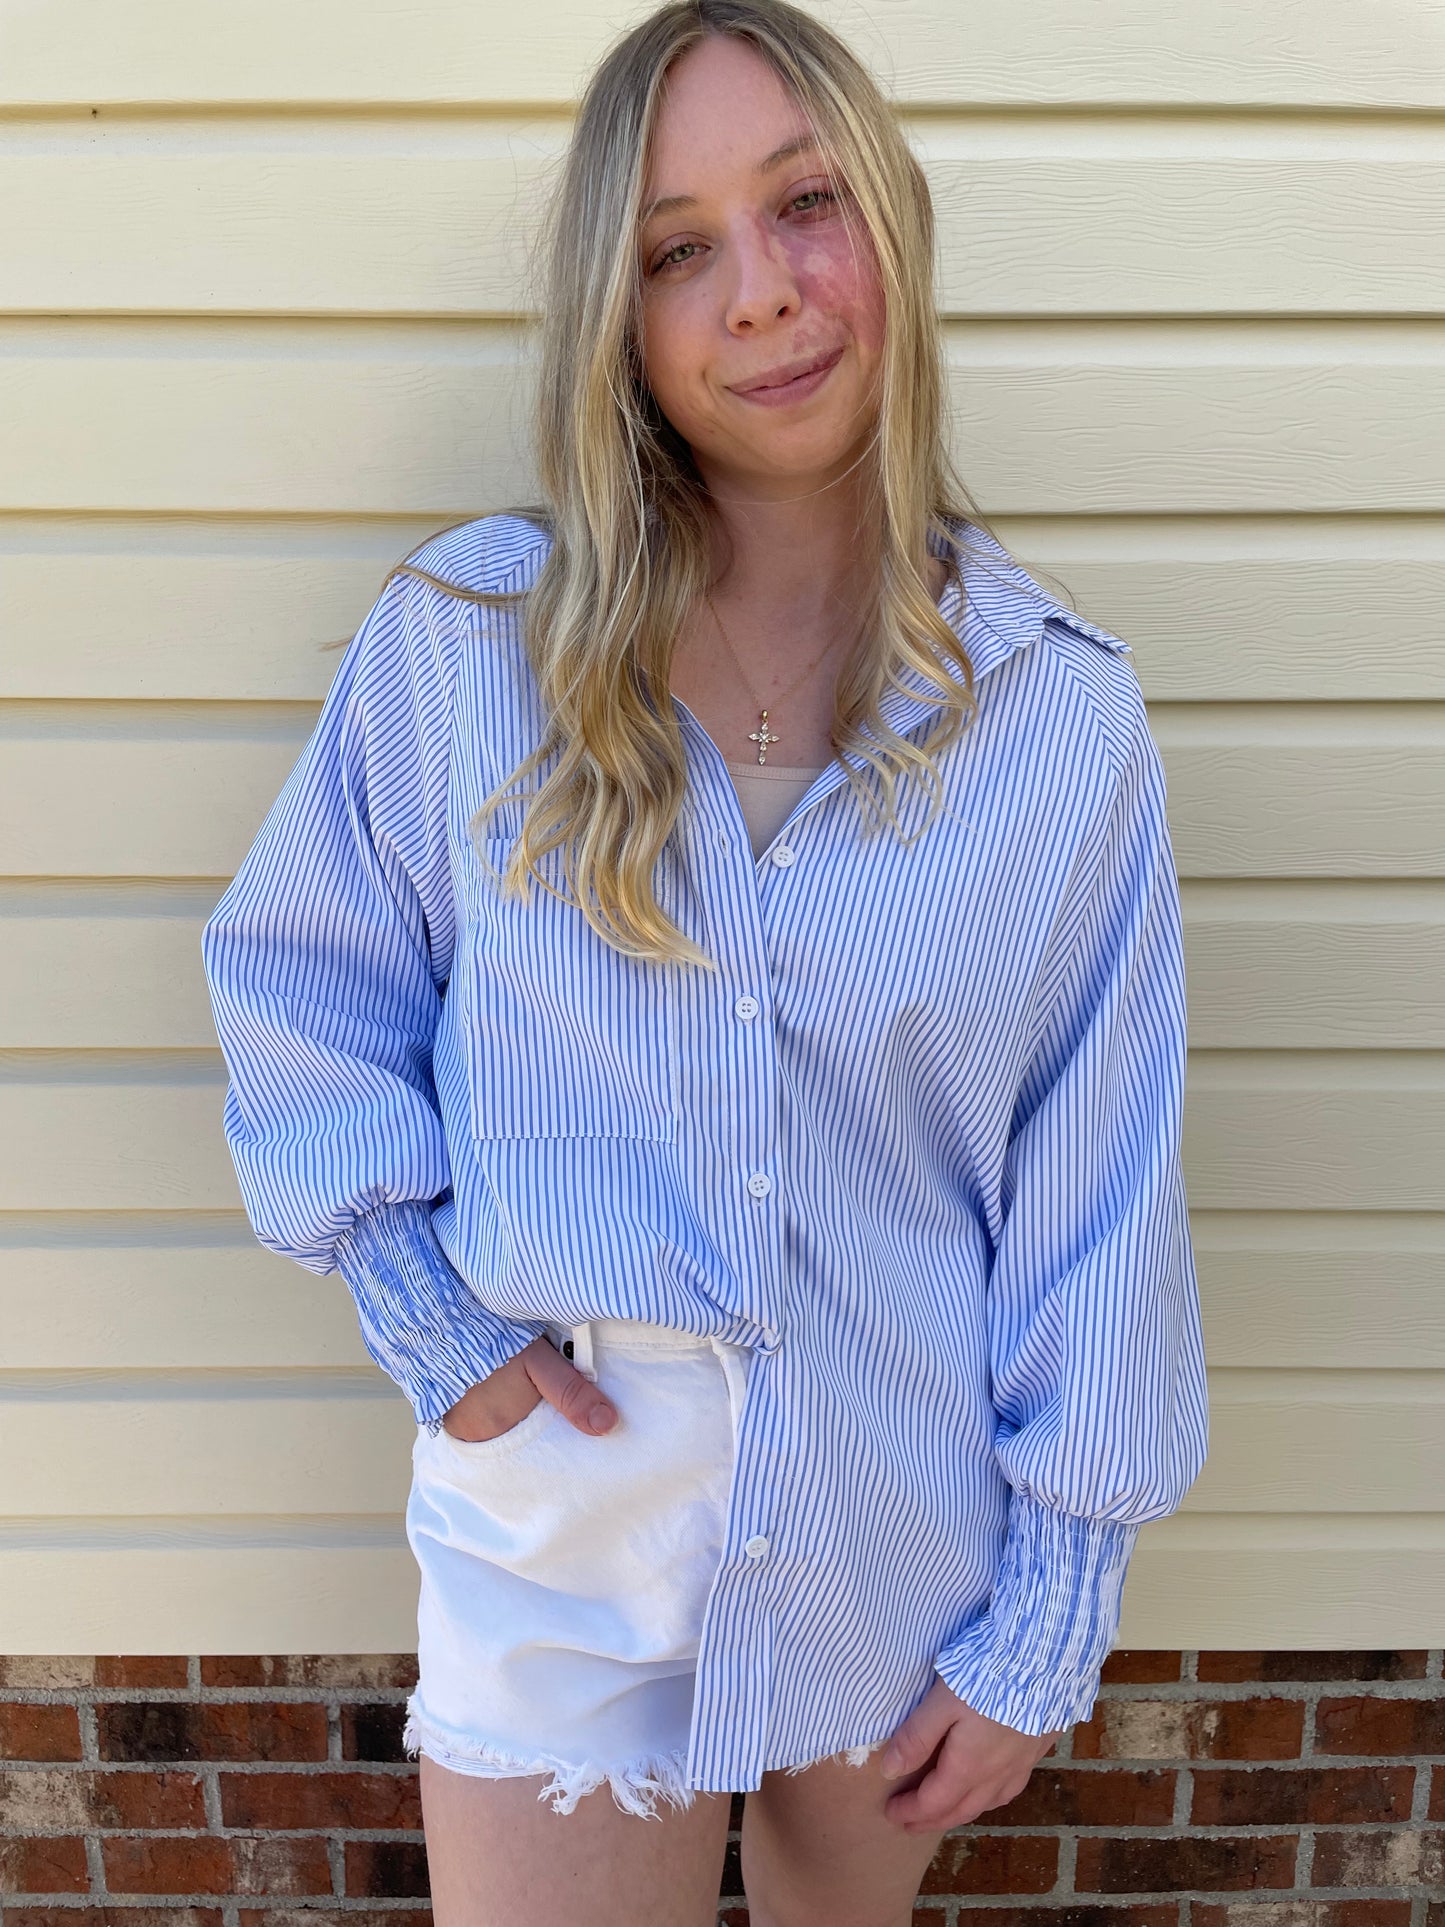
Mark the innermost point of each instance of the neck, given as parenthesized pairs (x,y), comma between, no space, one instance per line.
(798,551)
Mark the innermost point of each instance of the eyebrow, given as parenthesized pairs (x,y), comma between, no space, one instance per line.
(670,203)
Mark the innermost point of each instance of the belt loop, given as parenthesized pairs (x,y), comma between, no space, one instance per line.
(734,1359)
(582,1350)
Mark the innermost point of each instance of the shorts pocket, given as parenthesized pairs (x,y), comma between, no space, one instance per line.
(630,1519)
(565,1037)
(526,1428)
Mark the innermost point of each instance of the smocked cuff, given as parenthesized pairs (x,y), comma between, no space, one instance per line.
(420,1320)
(1033,1661)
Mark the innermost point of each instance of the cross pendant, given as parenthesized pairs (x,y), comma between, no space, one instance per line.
(761,737)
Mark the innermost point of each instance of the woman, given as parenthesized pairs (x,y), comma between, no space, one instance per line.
(712,985)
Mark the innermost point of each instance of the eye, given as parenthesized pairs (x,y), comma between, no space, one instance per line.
(822,199)
(667,259)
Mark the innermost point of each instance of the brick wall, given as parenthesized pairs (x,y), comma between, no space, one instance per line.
(1208,1790)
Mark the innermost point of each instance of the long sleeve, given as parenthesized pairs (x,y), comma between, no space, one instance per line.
(326,961)
(1096,1349)
(419,1320)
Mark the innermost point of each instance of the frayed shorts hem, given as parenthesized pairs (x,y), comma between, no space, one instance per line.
(636,1785)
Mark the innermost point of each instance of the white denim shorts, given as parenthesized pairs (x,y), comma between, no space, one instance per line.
(564,1576)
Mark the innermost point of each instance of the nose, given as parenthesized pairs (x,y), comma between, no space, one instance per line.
(763,286)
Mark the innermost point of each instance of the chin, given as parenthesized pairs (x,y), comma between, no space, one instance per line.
(800,448)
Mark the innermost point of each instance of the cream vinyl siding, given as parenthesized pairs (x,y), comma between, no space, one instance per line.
(263,303)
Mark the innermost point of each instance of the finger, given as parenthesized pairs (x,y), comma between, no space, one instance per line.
(955,1794)
(933,1806)
(915,1741)
(952,1779)
(579,1401)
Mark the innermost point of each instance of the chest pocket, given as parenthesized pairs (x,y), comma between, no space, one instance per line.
(565,1036)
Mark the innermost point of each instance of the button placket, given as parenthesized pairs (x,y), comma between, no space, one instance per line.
(746,960)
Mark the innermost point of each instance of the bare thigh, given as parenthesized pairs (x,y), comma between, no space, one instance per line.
(817,1850)
(500,1857)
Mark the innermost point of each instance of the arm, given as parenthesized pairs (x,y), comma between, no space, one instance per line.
(325,960)
(1094,1329)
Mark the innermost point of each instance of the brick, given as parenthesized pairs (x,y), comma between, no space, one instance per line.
(372,1730)
(205,1863)
(1183,1864)
(1148,1729)
(64,1801)
(153,1730)
(1401,1857)
(281,1864)
(1437,1794)
(346,1672)
(43,1866)
(333,1917)
(731,1887)
(320,1800)
(1367,1724)
(44,1673)
(143,1670)
(1275,1796)
(1081,1914)
(1138,1666)
(38,1730)
(1280,1667)
(386,1870)
(1303,1913)
(1435,1914)
(970,1862)
(1060,1796)
(191,1863)
(120,1916)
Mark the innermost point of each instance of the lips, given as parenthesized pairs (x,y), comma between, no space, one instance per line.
(791,371)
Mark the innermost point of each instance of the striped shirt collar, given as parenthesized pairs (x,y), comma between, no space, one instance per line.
(1004,610)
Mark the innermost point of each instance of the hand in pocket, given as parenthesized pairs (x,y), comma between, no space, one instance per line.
(504,1397)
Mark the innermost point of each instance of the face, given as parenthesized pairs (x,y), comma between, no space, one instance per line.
(758,269)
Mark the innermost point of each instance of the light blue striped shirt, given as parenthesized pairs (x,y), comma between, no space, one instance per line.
(916,1144)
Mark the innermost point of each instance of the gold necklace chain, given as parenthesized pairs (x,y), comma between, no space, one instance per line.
(761,735)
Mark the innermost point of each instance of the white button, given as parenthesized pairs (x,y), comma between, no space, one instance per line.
(747,1008)
(760,1184)
(756,1546)
(783,855)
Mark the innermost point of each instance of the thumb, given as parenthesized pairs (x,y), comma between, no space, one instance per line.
(575,1396)
(914,1742)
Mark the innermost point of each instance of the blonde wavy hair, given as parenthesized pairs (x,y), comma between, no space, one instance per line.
(630,519)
